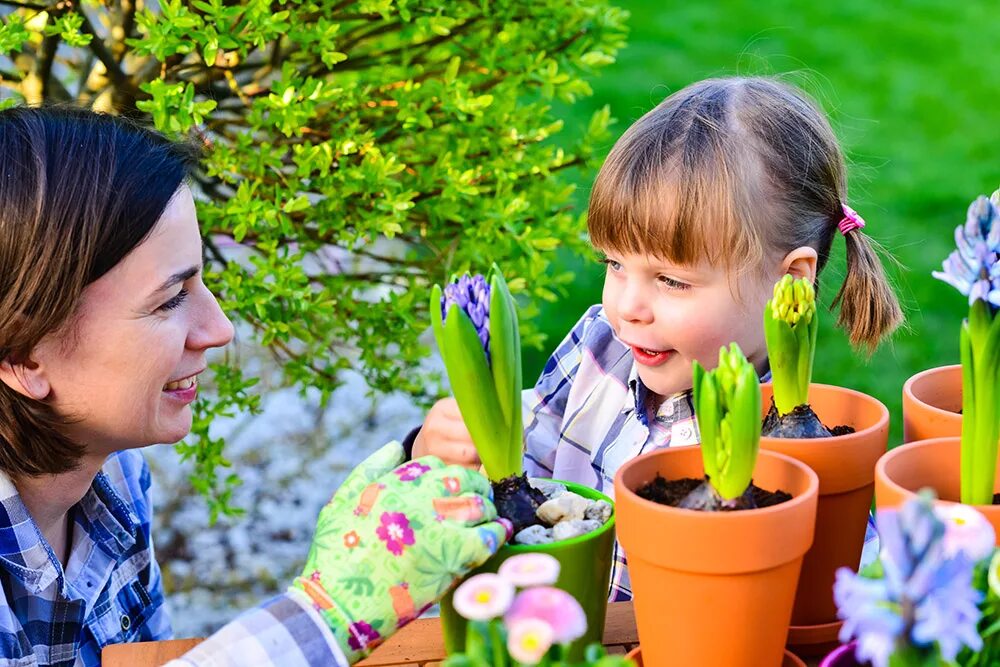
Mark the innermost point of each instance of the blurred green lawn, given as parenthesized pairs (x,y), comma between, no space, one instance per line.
(913,92)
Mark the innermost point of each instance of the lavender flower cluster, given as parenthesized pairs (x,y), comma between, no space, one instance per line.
(924,598)
(973,268)
(471,294)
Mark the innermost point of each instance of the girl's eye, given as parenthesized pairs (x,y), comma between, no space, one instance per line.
(670,283)
(175,301)
(612,264)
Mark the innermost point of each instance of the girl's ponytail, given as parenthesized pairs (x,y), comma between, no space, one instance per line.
(869,310)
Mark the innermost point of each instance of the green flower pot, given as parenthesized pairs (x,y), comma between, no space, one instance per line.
(585,573)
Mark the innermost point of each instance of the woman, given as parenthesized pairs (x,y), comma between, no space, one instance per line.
(104,326)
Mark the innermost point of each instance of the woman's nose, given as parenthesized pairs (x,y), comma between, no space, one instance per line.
(213,328)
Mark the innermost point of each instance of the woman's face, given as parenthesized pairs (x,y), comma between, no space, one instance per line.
(125,368)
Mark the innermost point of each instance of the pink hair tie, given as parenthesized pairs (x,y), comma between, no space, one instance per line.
(850,221)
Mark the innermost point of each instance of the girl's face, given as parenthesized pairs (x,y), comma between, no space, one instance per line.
(672,315)
(125,368)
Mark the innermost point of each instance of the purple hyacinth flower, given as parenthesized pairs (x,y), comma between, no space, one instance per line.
(471,294)
(973,267)
(924,598)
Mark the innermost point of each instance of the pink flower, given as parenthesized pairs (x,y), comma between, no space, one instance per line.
(395,531)
(966,531)
(531,569)
(529,639)
(554,606)
(362,635)
(483,597)
(411,471)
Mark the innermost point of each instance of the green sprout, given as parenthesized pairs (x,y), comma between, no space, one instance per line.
(475,324)
(727,404)
(790,327)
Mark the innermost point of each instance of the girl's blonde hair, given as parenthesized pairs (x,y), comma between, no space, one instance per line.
(736,171)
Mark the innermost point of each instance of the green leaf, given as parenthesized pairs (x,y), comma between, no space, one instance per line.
(299,203)
(505,348)
(472,384)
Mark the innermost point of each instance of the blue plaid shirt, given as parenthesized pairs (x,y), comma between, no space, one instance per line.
(110,591)
(586,417)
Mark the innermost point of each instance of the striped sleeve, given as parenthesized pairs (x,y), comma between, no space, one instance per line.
(283,632)
(545,404)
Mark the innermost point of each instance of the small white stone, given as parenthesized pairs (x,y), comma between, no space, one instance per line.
(534,535)
(548,487)
(566,507)
(599,510)
(574,528)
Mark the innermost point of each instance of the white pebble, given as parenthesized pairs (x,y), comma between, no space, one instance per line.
(599,510)
(548,487)
(534,535)
(566,507)
(575,528)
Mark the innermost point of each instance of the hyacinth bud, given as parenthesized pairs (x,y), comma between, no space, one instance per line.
(727,404)
(790,327)
(793,301)
(471,294)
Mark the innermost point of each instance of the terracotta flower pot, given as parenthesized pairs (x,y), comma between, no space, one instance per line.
(843,656)
(934,463)
(789,659)
(932,404)
(846,468)
(584,572)
(714,588)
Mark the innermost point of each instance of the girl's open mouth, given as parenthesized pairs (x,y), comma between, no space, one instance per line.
(648,357)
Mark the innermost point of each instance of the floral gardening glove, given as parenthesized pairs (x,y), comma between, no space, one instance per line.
(392,541)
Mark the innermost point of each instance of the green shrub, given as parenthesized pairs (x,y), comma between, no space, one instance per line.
(360,151)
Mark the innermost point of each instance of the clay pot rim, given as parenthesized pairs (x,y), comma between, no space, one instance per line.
(913,379)
(811,490)
(882,423)
(580,489)
(789,656)
(907,448)
(901,450)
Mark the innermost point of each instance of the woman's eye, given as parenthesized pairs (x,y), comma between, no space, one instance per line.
(673,284)
(174,302)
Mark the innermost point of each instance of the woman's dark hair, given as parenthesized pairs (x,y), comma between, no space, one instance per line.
(78,191)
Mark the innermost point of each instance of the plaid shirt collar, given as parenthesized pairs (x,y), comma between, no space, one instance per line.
(102,513)
(675,407)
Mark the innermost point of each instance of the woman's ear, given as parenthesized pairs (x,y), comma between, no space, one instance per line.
(800,263)
(25,377)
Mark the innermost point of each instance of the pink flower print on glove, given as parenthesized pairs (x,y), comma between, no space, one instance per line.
(411,471)
(395,531)
(394,538)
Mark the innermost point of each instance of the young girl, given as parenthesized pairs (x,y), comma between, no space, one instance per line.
(701,206)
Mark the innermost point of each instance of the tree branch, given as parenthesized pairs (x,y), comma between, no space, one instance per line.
(111,64)
(26,5)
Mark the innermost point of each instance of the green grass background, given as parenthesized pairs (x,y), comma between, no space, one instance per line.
(913,92)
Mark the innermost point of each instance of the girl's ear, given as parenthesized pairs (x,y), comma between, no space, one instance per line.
(24,376)
(800,263)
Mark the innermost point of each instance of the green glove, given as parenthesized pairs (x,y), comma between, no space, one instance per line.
(392,541)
